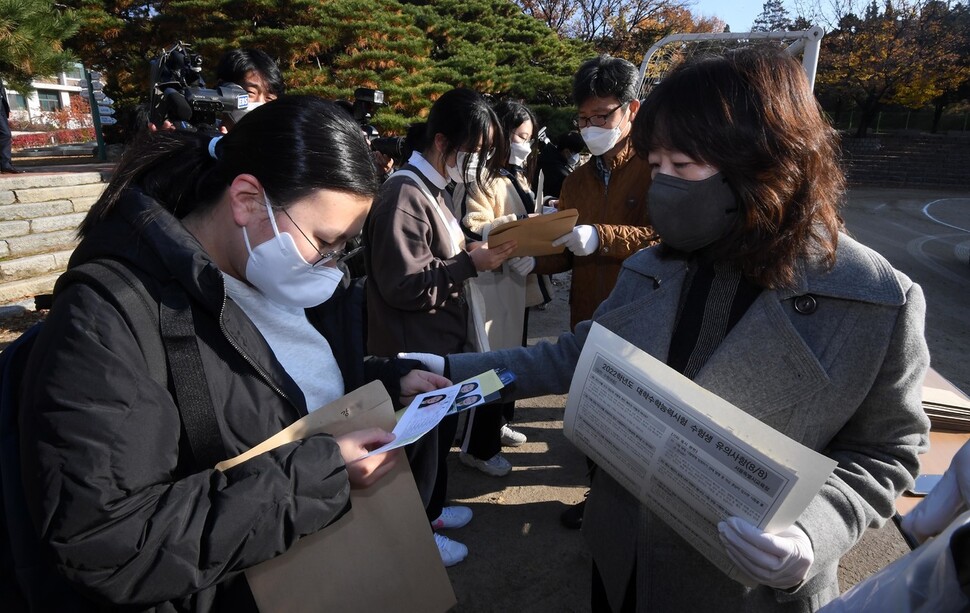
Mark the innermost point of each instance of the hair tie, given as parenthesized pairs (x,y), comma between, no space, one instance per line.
(212,147)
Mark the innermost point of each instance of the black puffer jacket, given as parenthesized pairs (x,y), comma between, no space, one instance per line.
(110,485)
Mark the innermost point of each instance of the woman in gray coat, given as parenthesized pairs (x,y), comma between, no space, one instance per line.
(758,296)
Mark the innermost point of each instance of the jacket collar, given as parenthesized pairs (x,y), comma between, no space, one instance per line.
(786,370)
(422,165)
(142,232)
(859,274)
(624,155)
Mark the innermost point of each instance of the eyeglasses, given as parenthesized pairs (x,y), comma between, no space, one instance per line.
(337,256)
(596,120)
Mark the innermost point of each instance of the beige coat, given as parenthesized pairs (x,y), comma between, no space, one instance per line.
(506,294)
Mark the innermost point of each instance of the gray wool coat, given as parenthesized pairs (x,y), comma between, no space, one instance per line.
(842,374)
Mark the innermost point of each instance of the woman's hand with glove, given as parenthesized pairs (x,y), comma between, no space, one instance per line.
(432,361)
(522,266)
(777,560)
(582,240)
(948,499)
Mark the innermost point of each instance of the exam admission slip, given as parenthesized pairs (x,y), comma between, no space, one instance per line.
(691,457)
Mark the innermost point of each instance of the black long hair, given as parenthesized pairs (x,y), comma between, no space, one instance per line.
(294,146)
(511,115)
(464,118)
(234,65)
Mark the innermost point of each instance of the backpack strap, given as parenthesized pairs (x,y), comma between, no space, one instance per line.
(165,331)
(118,283)
(188,375)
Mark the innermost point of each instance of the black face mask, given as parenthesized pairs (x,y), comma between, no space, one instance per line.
(690,215)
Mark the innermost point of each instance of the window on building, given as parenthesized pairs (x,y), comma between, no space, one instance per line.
(74,72)
(17,102)
(49,101)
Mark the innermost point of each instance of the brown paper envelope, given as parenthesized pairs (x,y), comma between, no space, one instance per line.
(534,235)
(380,556)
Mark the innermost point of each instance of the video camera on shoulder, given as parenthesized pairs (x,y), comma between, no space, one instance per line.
(179,95)
(366,103)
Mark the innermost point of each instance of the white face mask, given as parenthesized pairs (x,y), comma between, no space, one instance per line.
(467,176)
(277,269)
(518,153)
(600,140)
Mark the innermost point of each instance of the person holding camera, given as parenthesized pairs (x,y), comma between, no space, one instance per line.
(241,70)
(418,295)
(254,71)
(236,241)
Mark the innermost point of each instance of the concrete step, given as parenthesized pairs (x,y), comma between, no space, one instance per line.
(16,291)
(39,216)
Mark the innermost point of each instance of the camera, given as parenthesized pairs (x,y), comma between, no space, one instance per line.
(366,103)
(179,95)
(391,146)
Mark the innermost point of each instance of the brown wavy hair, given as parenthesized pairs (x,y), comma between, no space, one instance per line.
(751,114)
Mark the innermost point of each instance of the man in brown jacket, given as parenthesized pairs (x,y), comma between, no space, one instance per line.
(609,191)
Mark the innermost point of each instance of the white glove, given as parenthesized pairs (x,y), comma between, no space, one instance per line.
(582,240)
(777,560)
(522,265)
(432,361)
(948,499)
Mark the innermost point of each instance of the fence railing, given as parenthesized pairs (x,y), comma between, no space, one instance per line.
(894,121)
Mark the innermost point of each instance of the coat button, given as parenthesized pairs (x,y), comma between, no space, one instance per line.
(806,304)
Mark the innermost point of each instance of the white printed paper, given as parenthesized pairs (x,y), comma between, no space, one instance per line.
(690,456)
(429,408)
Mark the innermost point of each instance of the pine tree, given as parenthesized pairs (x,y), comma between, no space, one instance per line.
(774,16)
(413,50)
(31,35)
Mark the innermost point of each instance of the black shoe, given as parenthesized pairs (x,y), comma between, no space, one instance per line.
(11,171)
(572,517)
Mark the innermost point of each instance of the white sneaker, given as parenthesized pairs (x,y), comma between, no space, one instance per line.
(452,552)
(452,517)
(497,466)
(512,438)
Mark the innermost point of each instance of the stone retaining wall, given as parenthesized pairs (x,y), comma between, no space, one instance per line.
(39,216)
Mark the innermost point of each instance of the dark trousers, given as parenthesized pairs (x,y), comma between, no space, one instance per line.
(483,438)
(599,602)
(428,460)
(6,139)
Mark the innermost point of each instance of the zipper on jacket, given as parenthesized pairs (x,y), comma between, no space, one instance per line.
(259,369)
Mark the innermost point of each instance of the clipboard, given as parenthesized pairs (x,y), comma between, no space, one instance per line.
(380,556)
(534,235)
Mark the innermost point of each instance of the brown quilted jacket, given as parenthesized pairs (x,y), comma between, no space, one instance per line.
(619,213)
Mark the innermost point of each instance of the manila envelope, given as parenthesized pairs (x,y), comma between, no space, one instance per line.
(380,556)
(534,235)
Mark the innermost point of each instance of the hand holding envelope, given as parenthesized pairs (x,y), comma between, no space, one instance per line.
(534,236)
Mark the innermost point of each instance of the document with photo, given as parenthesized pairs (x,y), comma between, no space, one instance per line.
(690,456)
(423,414)
(429,408)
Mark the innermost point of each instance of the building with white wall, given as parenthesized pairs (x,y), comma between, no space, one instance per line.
(50,94)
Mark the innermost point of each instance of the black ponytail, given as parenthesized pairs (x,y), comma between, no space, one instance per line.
(294,145)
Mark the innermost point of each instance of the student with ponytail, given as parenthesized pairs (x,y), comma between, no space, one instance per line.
(246,232)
